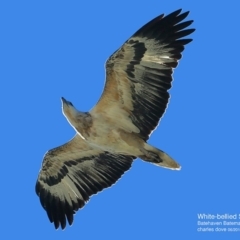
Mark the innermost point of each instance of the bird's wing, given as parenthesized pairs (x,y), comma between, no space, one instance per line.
(73,172)
(139,74)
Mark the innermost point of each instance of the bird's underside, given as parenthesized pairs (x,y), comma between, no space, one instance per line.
(115,132)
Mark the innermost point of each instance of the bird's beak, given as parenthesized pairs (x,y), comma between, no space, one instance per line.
(64,100)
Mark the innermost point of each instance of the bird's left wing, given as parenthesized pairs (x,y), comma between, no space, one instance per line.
(73,172)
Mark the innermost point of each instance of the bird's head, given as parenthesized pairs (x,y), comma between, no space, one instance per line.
(69,111)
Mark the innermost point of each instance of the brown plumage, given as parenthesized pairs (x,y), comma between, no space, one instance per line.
(111,135)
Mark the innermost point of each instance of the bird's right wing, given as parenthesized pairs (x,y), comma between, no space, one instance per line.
(139,74)
(73,172)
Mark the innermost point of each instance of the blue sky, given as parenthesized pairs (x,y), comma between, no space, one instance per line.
(51,49)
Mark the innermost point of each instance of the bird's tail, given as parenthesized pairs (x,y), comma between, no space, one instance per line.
(158,157)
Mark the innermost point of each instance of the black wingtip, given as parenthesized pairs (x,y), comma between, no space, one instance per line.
(161,22)
(175,13)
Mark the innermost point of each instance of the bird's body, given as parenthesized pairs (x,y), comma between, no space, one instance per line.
(115,137)
(94,131)
(115,132)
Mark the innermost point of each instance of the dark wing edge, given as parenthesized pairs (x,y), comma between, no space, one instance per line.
(155,77)
(64,186)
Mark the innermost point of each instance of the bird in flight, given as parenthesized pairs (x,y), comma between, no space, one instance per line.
(116,130)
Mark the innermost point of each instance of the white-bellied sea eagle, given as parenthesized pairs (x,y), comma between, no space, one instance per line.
(115,131)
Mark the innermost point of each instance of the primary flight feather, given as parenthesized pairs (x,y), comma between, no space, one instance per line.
(115,132)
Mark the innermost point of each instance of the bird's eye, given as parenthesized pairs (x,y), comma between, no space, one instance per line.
(70,103)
